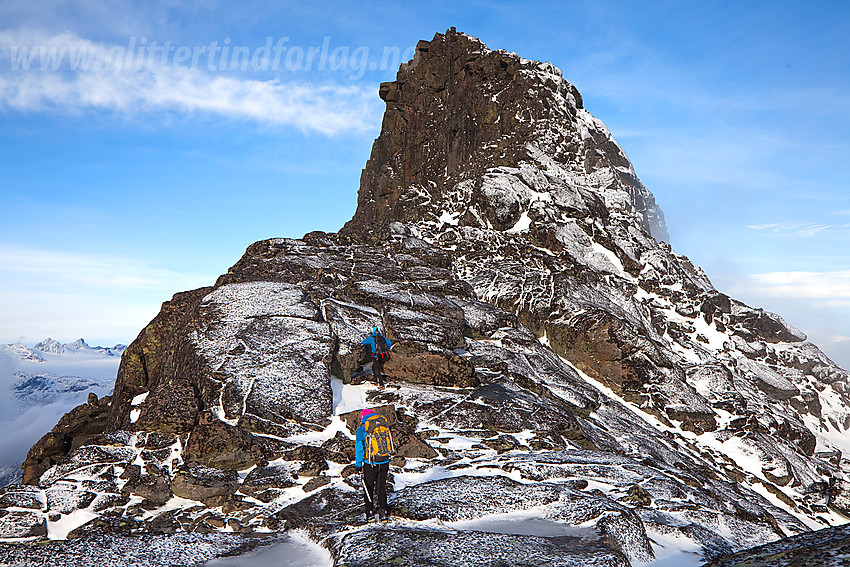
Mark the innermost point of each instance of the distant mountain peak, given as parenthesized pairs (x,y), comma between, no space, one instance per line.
(51,346)
(21,352)
(79,344)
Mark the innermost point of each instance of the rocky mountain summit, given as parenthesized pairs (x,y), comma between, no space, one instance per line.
(567,390)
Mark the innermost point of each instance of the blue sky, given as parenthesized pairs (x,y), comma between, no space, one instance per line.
(139,174)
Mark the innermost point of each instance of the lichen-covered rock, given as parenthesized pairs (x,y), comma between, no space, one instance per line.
(81,424)
(219,445)
(821,548)
(204,484)
(467,497)
(64,499)
(316,482)
(21,496)
(267,483)
(264,344)
(421,547)
(321,513)
(100,550)
(350,324)
(110,522)
(432,368)
(22,524)
(155,489)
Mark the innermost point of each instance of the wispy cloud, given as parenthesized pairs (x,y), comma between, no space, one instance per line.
(802,229)
(825,285)
(65,270)
(828,197)
(69,73)
(66,295)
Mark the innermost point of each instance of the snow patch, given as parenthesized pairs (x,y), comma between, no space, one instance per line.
(68,522)
(295,549)
(522,225)
(138,400)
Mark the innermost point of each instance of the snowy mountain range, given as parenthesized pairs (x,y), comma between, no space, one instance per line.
(38,384)
(78,346)
(566,389)
(50,370)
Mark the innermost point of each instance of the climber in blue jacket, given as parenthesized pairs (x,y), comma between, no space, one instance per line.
(380,346)
(373,470)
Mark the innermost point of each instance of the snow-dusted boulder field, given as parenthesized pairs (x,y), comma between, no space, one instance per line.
(565,389)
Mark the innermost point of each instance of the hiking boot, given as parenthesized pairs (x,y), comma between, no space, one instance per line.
(382,515)
(370,517)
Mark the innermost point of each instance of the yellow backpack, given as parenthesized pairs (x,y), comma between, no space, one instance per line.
(379,441)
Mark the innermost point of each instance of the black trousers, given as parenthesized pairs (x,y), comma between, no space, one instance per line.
(378,371)
(375,486)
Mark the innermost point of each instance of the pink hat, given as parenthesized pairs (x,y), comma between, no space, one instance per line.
(364,413)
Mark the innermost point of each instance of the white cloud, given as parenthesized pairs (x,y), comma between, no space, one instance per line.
(66,270)
(817,303)
(97,76)
(107,299)
(825,285)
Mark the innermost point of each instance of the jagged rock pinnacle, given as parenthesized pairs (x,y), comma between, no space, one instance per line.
(457,111)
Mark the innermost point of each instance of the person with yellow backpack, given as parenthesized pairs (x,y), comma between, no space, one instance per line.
(373,449)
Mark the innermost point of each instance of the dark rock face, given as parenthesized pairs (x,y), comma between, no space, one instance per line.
(154,489)
(160,360)
(75,428)
(553,357)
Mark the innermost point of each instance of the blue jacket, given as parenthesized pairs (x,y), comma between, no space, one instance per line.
(360,444)
(370,340)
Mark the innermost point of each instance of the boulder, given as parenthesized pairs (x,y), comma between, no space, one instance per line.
(431,368)
(267,483)
(22,524)
(61,500)
(208,485)
(316,483)
(219,445)
(154,489)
